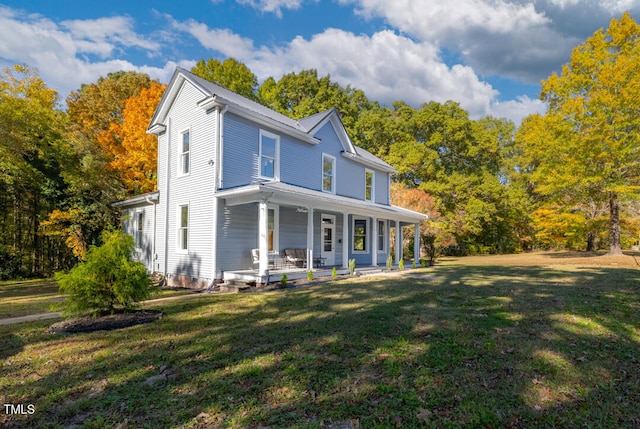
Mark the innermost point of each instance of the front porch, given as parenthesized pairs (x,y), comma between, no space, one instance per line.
(253,276)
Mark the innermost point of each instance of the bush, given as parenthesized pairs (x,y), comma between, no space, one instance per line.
(108,278)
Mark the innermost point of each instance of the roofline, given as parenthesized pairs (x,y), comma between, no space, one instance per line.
(149,198)
(286,194)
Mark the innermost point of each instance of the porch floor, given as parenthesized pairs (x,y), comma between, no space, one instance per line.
(293,273)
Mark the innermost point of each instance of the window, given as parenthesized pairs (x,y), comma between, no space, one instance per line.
(328,173)
(272,229)
(185,148)
(139,228)
(183,228)
(359,235)
(381,235)
(269,154)
(368,183)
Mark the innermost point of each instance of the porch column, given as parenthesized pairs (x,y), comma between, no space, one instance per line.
(310,239)
(263,243)
(398,242)
(345,240)
(416,244)
(374,242)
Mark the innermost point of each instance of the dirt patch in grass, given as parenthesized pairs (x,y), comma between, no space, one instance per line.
(104,323)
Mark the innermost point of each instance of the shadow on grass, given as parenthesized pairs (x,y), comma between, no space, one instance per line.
(476,347)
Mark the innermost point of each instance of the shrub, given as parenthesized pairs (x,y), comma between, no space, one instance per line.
(401,264)
(106,279)
(334,273)
(352,266)
(309,275)
(389,262)
(284,279)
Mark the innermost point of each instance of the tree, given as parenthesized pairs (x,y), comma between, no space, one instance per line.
(586,145)
(303,94)
(230,74)
(136,157)
(32,151)
(96,114)
(107,279)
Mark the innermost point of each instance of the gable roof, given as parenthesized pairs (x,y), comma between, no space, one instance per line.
(216,96)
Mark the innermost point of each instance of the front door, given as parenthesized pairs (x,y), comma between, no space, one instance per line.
(328,239)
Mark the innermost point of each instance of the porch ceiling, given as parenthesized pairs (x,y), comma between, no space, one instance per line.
(285,194)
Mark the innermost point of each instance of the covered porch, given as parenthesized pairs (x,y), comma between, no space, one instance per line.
(329,229)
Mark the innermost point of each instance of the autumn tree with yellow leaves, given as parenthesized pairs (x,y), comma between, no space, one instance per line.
(586,147)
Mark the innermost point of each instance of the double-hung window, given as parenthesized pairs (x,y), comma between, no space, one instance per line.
(360,235)
(139,228)
(381,235)
(328,173)
(185,149)
(368,185)
(183,228)
(269,155)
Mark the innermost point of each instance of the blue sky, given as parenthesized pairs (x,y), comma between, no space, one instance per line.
(488,55)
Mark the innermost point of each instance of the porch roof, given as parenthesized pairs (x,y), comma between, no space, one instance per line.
(286,194)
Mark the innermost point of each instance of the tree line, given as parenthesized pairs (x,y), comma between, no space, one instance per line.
(567,179)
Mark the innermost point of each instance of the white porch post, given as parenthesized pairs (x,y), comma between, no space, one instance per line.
(310,239)
(345,240)
(416,244)
(263,232)
(374,242)
(398,242)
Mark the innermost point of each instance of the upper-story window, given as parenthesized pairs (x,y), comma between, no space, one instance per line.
(185,149)
(269,155)
(328,173)
(369,185)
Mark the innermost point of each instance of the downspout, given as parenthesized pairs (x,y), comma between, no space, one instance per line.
(217,183)
(166,203)
(153,242)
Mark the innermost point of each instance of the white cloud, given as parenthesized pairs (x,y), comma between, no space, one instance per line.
(518,109)
(272,6)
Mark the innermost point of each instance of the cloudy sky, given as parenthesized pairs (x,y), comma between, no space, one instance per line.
(488,55)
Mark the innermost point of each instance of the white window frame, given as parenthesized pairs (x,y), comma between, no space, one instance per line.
(139,228)
(276,228)
(182,154)
(333,173)
(366,235)
(276,160)
(182,230)
(373,185)
(383,236)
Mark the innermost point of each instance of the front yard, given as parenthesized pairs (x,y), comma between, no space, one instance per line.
(540,341)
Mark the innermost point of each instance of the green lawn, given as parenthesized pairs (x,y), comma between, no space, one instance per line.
(473,343)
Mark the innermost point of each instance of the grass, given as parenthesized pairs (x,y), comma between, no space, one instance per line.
(22,298)
(474,342)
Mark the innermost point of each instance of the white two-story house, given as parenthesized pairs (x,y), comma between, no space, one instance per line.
(235,176)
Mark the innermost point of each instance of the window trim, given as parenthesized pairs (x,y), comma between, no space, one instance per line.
(139,228)
(333,173)
(182,153)
(384,236)
(373,185)
(180,228)
(366,236)
(276,160)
